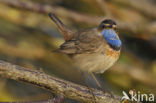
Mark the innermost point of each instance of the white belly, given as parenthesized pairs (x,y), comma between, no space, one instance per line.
(97,63)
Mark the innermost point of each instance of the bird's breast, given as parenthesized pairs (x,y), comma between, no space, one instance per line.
(96,62)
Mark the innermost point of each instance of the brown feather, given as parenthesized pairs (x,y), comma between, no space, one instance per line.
(67,34)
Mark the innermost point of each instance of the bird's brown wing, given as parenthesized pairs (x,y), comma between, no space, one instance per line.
(86,41)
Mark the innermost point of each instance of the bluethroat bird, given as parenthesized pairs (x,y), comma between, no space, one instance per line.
(92,50)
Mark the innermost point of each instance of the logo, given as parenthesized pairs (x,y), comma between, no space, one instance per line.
(137,96)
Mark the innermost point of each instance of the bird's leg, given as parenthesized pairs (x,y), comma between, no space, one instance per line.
(90,90)
(97,83)
(67,34)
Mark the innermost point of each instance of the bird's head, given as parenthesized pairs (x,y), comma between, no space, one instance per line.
(108,24)
(108,29)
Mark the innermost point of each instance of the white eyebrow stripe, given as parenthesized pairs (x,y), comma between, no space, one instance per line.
(114,25)
(107,24)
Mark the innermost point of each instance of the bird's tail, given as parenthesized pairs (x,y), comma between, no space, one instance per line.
(67,34)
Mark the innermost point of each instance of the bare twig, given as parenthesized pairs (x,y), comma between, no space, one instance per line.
(55,85)
(58,99)
(45,9)
(59,11)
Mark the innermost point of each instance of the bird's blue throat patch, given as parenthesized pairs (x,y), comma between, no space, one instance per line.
(112,39)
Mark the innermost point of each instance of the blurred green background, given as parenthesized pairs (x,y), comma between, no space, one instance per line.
(28,37)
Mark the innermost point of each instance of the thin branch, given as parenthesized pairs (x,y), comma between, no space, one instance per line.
(57,99)
(56,85)
(45,9)
(59,11)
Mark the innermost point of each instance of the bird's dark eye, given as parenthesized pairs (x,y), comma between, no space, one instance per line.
(102,26)
(110,26)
